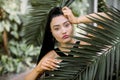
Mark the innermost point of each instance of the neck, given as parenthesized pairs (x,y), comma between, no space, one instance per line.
(62,45)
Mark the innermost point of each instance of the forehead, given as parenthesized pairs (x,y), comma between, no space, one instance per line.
(58,20)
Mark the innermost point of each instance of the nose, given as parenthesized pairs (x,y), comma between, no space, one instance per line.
(64,31)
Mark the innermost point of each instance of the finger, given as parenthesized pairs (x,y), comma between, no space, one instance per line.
(65,8)
(54,61)
(51,64)
(46,65)
(47,68)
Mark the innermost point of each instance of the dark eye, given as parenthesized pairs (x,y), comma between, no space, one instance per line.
(67,24)
(56,29)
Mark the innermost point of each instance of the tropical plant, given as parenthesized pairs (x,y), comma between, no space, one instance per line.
(97,61)
(34,28)
(21,58)
(19,55)
(100,59)
(9,21)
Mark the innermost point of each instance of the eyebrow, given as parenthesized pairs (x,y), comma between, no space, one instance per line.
(59,25)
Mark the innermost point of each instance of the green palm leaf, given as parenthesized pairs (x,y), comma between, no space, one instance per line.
(34,28)
(98,61)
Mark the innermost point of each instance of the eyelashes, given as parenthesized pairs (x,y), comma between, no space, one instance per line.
(65,25)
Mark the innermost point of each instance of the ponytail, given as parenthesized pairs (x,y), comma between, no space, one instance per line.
(48,40)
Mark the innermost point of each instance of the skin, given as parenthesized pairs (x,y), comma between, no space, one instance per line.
(82,19)
(60,26)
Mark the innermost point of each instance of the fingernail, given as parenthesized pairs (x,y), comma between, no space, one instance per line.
(58,66)
(58,62)
(56,69)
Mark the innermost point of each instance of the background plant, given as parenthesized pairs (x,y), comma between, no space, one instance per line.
(34,28)
(15,55)
(98,61)
(23,56)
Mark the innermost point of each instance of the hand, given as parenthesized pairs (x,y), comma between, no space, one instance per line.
(68,13)
(47,64)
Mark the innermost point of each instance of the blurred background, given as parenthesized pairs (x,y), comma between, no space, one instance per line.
(16,57)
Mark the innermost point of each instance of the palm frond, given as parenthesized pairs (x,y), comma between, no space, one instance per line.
(34,28)
(98,61)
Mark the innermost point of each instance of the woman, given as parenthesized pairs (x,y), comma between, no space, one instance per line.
(58,28)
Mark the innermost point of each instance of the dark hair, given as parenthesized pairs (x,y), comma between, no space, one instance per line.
(48,40)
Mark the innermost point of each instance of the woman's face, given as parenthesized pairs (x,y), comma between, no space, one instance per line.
(61,29)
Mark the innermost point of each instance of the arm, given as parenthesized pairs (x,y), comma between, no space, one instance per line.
(82,19)
(33,74)
(48,62)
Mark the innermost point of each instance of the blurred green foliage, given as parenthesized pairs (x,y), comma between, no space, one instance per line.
(101,5)
(12,20)
(10,17)
(22,57)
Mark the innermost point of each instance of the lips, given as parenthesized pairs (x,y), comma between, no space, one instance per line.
(65,36)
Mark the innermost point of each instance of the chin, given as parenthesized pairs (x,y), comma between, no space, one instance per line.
(68,40)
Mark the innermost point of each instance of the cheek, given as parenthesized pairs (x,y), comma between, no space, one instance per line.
(70,30)
(56,35)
